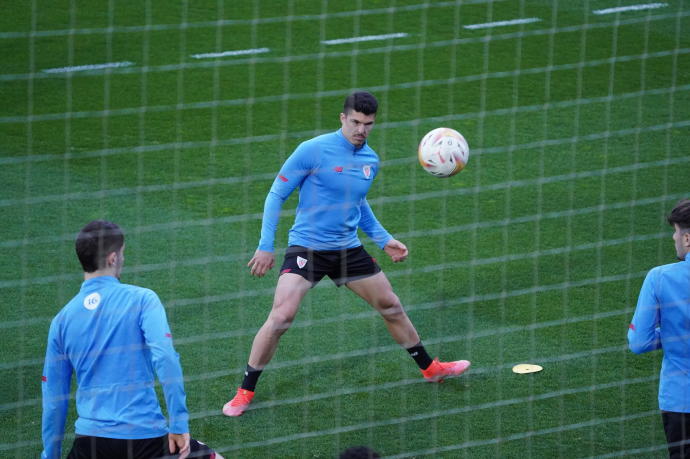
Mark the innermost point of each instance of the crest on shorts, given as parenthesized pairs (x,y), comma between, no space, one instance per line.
(367,171)
(301,262)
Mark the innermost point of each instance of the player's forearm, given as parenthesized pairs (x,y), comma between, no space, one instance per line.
(169,373)
(55,391)
(372,227)
(269,222)
(53,428)
(646,340)
(178,416)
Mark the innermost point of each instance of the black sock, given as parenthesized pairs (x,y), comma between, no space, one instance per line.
(251,377)
(420,355)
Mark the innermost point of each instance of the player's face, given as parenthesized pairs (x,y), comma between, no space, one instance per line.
(682,240)
(357,126)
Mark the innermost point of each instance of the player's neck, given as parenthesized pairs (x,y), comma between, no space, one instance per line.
(100,273)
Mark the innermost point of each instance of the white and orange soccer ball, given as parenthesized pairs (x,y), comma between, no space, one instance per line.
(443,152)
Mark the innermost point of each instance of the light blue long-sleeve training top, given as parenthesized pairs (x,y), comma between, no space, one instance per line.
(113,336)
(334,177)
(662,321)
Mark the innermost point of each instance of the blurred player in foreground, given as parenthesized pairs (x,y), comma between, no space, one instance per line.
(334,173)
(114,336)
(662,321)
(359,452)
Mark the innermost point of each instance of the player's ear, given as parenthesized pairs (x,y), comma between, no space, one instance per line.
(111,259)
(343,117)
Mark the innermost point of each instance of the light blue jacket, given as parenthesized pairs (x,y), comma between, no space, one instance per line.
(662,321)
(114,337)
(334,177)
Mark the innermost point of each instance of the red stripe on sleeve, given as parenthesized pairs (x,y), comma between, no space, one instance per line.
(631,327)
(44,379)
(168,335)
(283,178)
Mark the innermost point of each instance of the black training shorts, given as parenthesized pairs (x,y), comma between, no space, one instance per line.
(86,447)
(342,266)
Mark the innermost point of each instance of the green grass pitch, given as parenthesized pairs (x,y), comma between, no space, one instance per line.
(578,125)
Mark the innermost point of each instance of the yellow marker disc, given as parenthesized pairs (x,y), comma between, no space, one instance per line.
(524,368)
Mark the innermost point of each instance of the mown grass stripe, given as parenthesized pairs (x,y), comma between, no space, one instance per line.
(347,54)
(101,194)
(233,22)
(342,92)
(527,434)
(447,339)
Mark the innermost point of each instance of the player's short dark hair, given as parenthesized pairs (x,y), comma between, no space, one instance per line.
(359,452)
(362,102)
(96,241)
(680,215)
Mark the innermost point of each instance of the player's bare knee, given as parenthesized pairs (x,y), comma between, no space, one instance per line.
(389,306)
(279,322)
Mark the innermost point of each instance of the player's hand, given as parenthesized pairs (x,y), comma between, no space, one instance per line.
(179,443)
(261,262)
(396,250)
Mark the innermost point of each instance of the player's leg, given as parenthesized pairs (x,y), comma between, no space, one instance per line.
(677,430)
(289,293)
(378,292)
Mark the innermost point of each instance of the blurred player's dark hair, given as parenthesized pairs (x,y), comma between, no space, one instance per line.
(96,241)
(359,452)
(362,102)
(680,215)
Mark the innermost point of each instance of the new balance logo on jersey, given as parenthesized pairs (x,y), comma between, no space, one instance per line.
(301,262)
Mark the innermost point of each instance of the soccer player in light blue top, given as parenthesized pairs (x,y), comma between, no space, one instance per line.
(662,321)
(333,173)
(114,337)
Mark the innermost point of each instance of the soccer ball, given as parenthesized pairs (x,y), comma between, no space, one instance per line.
(443,152)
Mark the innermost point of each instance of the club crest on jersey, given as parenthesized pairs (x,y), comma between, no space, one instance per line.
(301,262)
(367,171)
(92,301)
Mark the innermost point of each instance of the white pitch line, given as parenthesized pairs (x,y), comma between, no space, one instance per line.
(621,9)
(373,51)
(202,105)
(487,25)
(340,41)
(238,52)
(282,19)
(81,68)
